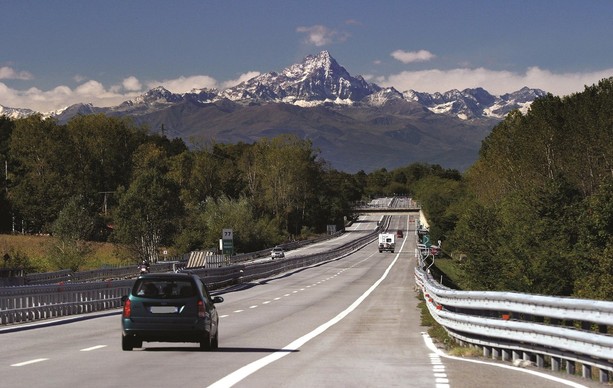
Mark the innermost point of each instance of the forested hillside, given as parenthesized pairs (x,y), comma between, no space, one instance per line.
(535,213)
(98,178)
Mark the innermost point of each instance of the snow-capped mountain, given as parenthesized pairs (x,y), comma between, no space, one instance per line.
(475,103)
(319,80)
(15,113)
(316,80)
(355,124)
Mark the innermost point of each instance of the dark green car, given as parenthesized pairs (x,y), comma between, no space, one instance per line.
(169,307)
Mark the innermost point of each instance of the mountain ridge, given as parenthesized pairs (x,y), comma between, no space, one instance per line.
(356,125)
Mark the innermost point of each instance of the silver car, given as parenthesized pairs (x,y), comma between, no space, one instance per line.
(277,253)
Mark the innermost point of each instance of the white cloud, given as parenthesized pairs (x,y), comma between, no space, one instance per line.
(412,56)
(185,84)
(494,81)
(94,92)
(61,96)
(433,80)
(79,78)
(10,73)
(319,35)
(242,78)
(132,84)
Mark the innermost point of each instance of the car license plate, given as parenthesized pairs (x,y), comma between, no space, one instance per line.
(163,309)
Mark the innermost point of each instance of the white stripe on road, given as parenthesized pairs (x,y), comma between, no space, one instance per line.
(436,350)
(249,369)
(93,348)
(30,362)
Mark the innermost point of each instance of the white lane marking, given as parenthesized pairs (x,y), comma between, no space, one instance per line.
(238,311)
(224,316)
(254,306)
(30,362)
(253,367)
(436,350)
(93,348)
(440,378)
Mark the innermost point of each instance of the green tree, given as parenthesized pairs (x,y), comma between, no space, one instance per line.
(38,149)
(148,211)
(280,179)
(6,130)
(594,250)
(72,231)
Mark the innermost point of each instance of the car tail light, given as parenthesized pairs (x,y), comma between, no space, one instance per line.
(127,308)
(201,309)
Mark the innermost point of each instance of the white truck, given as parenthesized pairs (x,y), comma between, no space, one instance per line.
(387,242)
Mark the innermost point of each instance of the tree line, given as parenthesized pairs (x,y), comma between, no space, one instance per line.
(534,214)
(99,178)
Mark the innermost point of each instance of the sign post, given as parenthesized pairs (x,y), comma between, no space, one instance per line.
(227,242)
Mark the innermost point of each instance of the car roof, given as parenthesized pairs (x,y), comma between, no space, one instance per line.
(167,275)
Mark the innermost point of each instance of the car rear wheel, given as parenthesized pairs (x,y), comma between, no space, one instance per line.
(126,343)
(206,342)
(215,341)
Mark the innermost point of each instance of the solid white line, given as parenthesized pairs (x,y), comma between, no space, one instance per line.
(253,367)
(93,348)
(30,362)
(432,347)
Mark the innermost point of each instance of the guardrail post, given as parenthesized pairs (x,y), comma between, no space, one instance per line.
(495,353)
(604,375)
(540,361)
(487,352)
(556,362)
(586,371)
(506,355)
(571,367)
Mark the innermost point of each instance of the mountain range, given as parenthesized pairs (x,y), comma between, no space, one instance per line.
(356,125)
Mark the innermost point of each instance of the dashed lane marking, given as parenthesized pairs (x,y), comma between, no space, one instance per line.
(93,348)
(30,362)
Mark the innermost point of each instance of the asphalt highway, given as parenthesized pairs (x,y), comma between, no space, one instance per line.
(349,322)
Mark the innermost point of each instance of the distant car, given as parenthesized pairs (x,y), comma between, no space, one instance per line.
(169,307)
(399,233)
(277,253)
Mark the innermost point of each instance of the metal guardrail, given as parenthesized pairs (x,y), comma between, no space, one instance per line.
(557,331)
(20,304)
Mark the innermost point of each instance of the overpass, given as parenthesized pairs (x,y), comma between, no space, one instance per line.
(389,205)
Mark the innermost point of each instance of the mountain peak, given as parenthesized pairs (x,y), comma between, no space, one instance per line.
(316,80)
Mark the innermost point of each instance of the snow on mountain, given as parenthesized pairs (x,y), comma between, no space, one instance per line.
(318,80)
(475,103)
(15,113)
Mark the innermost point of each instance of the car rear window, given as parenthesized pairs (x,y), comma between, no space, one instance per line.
(163,288)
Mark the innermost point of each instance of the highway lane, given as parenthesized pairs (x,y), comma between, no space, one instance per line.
(349,322)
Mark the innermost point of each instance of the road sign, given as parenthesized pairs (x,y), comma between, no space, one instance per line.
(227,234)
(426,241)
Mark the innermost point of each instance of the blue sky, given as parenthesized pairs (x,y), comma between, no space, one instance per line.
(58,52)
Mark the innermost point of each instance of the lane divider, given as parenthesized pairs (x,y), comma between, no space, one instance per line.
(30,362)
(253,367)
